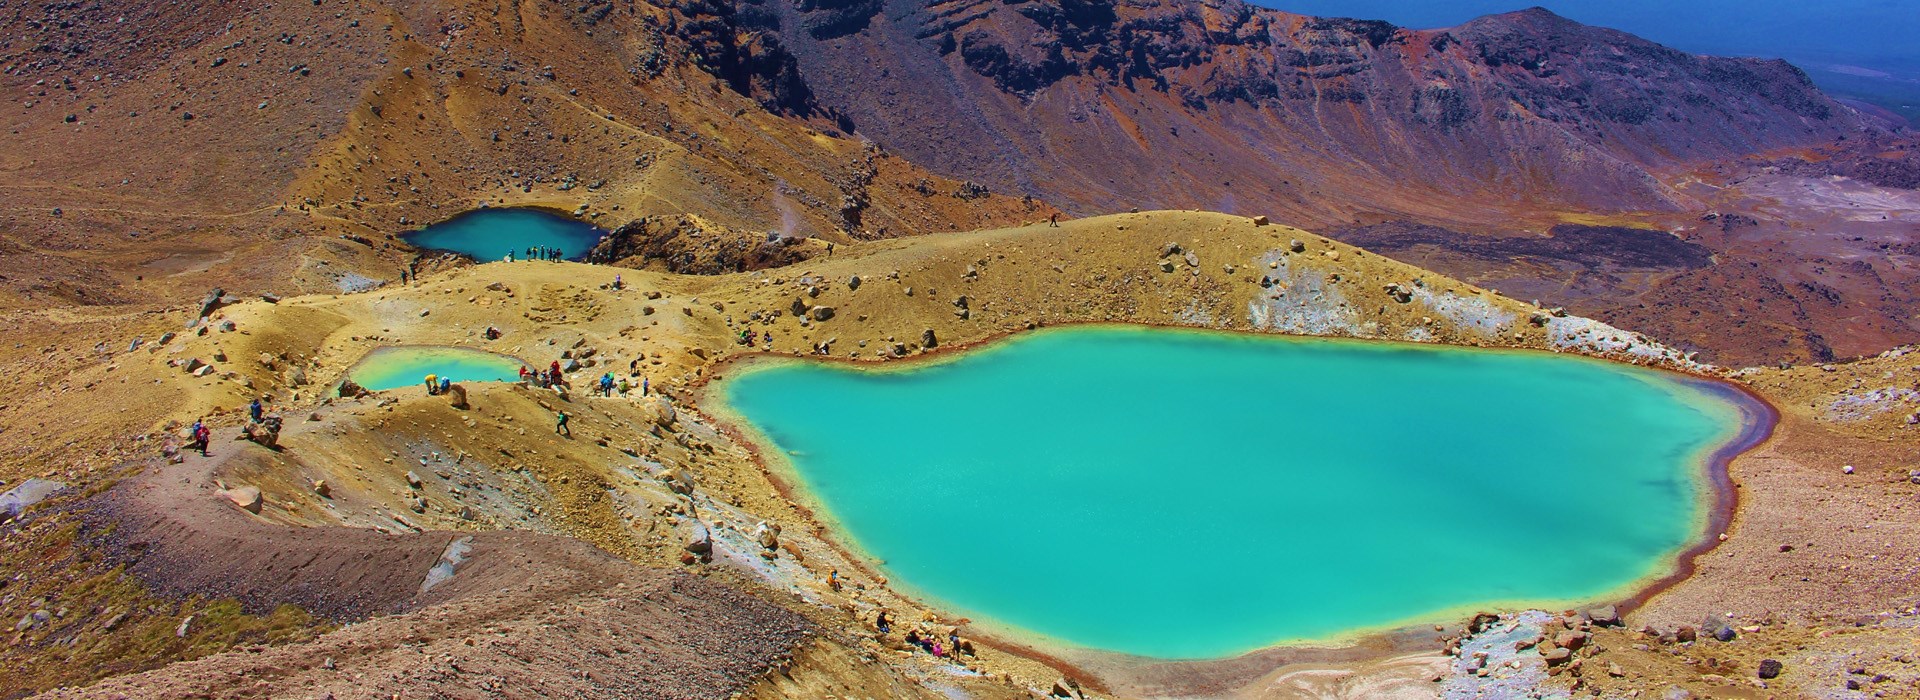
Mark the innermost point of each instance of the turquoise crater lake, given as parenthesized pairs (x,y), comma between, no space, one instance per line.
(489,234)
(1181,494)
(395,367)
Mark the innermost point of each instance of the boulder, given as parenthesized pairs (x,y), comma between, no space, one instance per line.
(1557,656)
(1192,260)
(1719,627)
(677,481)
(265,431)
(1296,246)
(662,413)
(1685,634)
(211,301)
(700,543)
(1604,616)
(322,489)
(247,498)
(349,390)
(1260,221)
(1481,622)
(928,339)
(28,493)
(768,537)
(1169,250)
(822,313)
(1065,688)
(457,396)
(853,283)
(798,307)
(413,480)
(31,620)
(1770,669)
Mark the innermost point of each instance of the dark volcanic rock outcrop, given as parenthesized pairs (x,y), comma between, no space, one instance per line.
(687,245)
(1217,104)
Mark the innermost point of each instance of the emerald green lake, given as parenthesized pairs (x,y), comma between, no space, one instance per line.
(489,234)
(1182,494)
(392,368)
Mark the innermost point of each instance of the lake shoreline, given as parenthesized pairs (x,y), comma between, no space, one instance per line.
(1720,496)
(557,216)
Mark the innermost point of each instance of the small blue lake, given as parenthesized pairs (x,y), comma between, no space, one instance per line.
(1181,494)
(488,235)
(395,367)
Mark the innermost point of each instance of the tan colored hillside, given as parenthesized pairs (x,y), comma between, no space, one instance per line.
(641,479)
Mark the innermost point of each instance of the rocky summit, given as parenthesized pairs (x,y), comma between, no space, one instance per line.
(407,348)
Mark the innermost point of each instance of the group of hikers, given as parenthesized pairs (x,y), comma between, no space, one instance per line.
(437,385)
(926,640)
(544,378)
(607,385)
(538,252)
(749,337)
(200,436)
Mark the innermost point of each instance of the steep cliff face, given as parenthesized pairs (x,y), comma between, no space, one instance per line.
(1213,103)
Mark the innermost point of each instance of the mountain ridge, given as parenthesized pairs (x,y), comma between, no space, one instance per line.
(1030,97)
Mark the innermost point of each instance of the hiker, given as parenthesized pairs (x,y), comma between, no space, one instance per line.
(880,622)
(446,385)
(624,387)
(509,256)
(554,368)
(200,436)
(1053,220)
(560,426)
(606,385)
(433,384)
(526,377)
(493,334)
(643,386)
(254,410)
(617,284)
